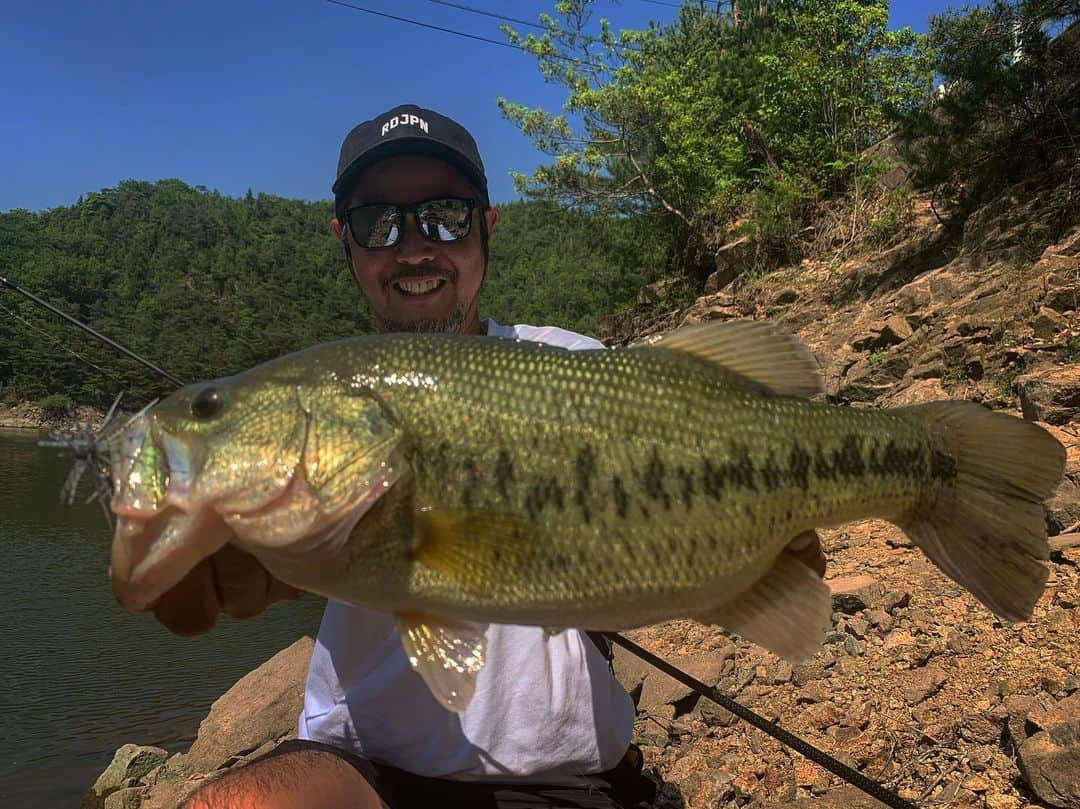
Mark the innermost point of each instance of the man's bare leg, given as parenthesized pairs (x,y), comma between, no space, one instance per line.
(313,779)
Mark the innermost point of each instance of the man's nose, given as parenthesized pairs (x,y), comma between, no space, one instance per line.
(411,246)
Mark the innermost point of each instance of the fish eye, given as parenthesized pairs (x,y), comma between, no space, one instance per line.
(206,404)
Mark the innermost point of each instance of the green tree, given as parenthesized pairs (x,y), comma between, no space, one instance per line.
(718,115)
(1007,103)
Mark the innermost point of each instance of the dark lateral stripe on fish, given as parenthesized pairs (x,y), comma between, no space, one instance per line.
(739,471)
(686,480)
(585,471)
(542,493)
(893,460)
(504,473)
(845,462)
(942,466)
(653,480)
(856,457)
(471,481)
(622,499)
(664,485)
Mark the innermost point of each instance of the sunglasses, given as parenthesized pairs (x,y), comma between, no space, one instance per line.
(447,219)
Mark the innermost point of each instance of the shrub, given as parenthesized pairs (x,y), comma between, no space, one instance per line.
(56,405)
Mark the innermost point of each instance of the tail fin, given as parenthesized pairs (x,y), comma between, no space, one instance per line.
(986,528)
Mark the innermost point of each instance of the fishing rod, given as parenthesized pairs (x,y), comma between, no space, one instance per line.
(786,738)
(88,329)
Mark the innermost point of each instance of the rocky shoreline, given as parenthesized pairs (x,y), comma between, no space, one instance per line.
(259,712)
(28,416)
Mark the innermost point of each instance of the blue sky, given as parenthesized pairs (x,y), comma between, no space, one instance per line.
(238,94)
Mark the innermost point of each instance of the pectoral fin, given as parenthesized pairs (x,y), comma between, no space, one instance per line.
(448,654)
(474,547)
(788,611)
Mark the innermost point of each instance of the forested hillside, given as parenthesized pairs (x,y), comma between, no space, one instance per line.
(203,284)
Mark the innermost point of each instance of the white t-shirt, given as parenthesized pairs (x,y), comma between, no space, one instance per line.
(546,707)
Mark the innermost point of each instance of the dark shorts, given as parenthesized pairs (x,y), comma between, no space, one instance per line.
(621,788)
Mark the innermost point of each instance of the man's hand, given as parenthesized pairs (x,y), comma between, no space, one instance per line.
(806,547)
(230,581)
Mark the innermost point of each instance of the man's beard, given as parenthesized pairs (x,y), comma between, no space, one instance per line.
(453,323)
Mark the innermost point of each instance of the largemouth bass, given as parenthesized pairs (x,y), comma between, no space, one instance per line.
(454,481)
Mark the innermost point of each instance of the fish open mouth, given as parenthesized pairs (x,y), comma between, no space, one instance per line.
(151,554)
(175,508)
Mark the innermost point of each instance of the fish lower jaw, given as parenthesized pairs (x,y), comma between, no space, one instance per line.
(151,556)
(130,526)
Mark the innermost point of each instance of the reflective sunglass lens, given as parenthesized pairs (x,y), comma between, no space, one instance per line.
(375,225)
(440,220)
(444,220)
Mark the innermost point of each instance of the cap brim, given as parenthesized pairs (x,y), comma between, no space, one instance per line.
(407,145)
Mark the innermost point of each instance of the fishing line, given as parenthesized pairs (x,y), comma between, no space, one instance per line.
(89,330)
(57,341)
(820,757)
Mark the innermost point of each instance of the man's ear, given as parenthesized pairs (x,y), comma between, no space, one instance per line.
(492,216)
(339,232)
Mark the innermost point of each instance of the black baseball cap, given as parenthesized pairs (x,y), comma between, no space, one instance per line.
(408,129)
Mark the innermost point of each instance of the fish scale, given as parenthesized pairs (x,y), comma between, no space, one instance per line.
(600,528)
(455,481)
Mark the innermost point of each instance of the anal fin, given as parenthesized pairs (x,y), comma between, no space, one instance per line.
(788,610)
(447,653)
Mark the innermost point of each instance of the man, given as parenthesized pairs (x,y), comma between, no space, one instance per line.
(548,724)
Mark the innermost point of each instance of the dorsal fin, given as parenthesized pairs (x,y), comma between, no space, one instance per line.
(755,349)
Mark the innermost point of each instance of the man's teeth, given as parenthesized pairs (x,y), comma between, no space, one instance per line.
(418,287)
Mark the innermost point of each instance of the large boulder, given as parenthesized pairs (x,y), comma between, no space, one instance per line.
(262,707)
(889,332)
(730,260)
(251,718)
(1047,323)
(652,689)
(130,763)
(852,594)
(1063,508)
(876,375)
(1050,759)
(631,672)
(1051,395)
(128,798)
(1050,764)
(1062,712)
(918,392)
(1062,293)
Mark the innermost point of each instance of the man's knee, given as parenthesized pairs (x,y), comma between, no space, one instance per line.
(313,779)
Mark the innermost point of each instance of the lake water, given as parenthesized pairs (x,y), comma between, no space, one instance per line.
(80,676)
